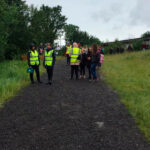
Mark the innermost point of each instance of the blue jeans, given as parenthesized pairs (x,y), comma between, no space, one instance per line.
(93,70)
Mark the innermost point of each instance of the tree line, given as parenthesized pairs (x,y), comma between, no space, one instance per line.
(21,25)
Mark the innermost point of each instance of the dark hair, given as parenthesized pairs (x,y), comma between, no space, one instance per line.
(32,45)
(94,49)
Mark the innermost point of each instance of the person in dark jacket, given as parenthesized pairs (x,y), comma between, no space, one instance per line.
(83,59)
(94,61)
(34,62)
(89,55)
(49,62)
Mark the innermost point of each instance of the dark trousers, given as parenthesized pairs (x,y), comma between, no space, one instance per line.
(82,69)
(74,68)
(89,69)
(93,70)
(50,73)
(68,59)
(36,68)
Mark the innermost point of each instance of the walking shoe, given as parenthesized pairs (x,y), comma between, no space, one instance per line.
(39,82)
(32,82)
(49,83)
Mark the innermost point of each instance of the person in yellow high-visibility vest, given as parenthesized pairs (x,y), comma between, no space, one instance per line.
(34,62)
(49,61)
(68,49)
(74,60)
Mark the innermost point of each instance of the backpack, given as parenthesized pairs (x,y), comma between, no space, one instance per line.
(101,58)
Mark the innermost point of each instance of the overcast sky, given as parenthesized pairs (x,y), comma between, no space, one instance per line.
(105,19)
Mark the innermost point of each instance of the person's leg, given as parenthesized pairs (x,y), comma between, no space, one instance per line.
(37,73)
(51,74)
(31,75)
(76,72)
(94,71)
(48,73)
(80,70)
(68,59)
(91,69)
(84,71)
(89,72)
(72,71)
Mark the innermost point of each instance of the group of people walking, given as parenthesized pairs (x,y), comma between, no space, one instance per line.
(80,59)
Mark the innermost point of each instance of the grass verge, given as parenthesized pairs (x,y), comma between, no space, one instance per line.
(13,77)
(129,75)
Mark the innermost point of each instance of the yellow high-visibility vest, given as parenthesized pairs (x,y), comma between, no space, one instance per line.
(68,49)
(34,58)
(75,54)
(49,58)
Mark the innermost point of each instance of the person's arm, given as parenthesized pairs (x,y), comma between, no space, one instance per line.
(39,60)
(28,59)
(54,58)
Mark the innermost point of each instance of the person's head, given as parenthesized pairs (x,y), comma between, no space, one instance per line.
(85,47)
(41,44)
(99,47)
(82,50)
(94,49)
(75,44)
(32,46)
(90,49)
(49,46)
(68,44)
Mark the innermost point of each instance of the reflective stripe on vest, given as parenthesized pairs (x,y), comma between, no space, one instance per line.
(49,58)
(34,58)
(68,49)
(74,55)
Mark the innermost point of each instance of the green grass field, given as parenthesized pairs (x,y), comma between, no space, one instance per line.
(129,75)
(13,77)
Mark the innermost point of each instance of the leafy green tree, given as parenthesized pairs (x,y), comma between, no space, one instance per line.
(46,23)
(7,17)
(73,34)
(146,34)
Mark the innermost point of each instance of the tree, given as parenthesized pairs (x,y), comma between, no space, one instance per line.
(46,23)
(18,34)
(146,34)
(73,34)
(70,30)
(7,17)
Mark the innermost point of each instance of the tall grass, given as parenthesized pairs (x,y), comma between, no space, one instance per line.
(129,75)
(13,77)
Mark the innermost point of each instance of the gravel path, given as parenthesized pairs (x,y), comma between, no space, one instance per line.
(69,115)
